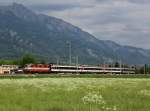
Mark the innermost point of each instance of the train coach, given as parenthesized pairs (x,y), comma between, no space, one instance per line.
(48,68)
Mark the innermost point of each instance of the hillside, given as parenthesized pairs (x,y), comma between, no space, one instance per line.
(22,31)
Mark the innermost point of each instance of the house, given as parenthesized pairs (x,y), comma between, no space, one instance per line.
(7,69)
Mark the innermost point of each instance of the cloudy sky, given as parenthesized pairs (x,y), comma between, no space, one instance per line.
(124,21)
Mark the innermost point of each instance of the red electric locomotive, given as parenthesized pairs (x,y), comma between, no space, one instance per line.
(37,68)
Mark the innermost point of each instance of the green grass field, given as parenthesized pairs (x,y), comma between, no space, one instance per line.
(75,94)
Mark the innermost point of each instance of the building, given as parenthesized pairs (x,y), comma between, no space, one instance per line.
(7,69)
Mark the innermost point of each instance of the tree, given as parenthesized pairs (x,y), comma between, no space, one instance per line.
(27,59)
(117,64)
(9,62)
(42,61)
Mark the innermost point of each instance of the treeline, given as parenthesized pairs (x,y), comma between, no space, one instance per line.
(139,69)
(26,59)
(145,69)
(29,58)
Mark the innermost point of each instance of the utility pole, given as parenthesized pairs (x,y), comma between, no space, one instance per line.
(104,66)
(77,62)
(57,60)
(144,68)
(31,45)
(111,65)
(70,55)
(120,67)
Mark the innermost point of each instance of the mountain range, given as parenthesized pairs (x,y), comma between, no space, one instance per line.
(51,39)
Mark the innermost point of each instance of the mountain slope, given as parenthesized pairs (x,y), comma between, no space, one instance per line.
(22,30)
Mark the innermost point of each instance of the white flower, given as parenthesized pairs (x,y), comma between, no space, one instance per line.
(145,92)
(95,98)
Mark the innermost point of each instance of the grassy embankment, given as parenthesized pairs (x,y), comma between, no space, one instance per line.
(75,94)
(28,76)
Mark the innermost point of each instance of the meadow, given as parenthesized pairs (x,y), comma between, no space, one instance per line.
(75,94)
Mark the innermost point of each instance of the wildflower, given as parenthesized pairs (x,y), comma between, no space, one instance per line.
(114,108)
(93,98)
(97,99)
(145,92)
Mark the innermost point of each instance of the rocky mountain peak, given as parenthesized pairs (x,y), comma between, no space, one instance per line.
(20,11)
(22,30)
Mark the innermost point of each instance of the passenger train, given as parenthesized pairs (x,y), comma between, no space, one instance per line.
(49,68)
